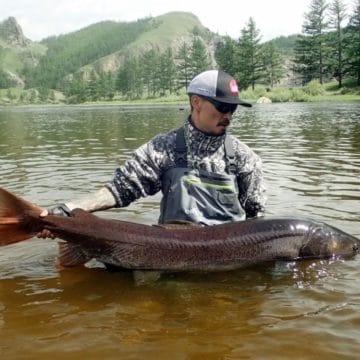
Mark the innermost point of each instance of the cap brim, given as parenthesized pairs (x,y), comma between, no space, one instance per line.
(244,103)
(233,100)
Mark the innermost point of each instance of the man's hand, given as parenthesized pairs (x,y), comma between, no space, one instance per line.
(99,200)
(59,210)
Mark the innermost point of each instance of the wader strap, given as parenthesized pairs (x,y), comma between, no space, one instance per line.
(230,155)
(181,151)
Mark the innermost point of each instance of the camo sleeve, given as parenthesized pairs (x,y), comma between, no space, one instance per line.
(140,176)
(250,181)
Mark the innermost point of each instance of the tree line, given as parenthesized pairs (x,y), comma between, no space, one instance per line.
(151,74)
(249,61)
(326,49)
(158,73)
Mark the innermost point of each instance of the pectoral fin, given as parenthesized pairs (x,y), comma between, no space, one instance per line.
(70,255)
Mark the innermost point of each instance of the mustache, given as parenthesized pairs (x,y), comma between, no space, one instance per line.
(224,122)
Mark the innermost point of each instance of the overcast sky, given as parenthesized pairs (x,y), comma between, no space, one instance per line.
(43,18)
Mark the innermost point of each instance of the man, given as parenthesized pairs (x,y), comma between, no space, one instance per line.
(206,176)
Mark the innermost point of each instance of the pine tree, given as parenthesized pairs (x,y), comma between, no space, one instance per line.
(225,55)
(199,57)
(93,87)
(168,71)
(110,86)
(149,63)
(129,79)
(310,48)
(353,41)
(337,16)
(77,90)
(183,61)
(102,85)
(273,69)
(249,62)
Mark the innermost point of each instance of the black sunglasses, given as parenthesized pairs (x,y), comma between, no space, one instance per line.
(221,107)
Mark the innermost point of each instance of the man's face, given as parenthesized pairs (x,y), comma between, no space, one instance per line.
(207,118)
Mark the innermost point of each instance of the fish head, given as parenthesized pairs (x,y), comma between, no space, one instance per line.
(325,241)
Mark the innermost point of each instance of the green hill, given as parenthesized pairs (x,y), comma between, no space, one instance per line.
(101,47)
(169,30)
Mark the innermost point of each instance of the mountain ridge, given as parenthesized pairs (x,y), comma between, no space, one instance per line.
(105,44)
(100,47)
(11,33)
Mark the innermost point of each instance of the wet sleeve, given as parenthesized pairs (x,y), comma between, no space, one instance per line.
(251,185)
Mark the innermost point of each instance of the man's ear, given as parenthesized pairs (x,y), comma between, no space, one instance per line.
(195,102)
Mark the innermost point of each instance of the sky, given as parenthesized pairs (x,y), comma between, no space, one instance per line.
(42,18)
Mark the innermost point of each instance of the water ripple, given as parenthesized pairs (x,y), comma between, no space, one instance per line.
(311,156)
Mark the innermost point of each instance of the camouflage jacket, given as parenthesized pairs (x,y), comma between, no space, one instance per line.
(141,175)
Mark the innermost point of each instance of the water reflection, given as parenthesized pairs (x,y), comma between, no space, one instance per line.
(311,155)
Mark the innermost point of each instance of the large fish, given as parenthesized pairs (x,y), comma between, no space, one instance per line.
(174,248)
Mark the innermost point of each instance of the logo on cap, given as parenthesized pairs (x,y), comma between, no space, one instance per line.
(233,87)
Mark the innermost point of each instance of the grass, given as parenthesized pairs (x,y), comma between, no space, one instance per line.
(313,91)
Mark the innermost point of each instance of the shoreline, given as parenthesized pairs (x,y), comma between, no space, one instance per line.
(181,103)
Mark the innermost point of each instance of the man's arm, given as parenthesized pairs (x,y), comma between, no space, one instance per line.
(254,198)
(140,176)
(99,200)
(250,182)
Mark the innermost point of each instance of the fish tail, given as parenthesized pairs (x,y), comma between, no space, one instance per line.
(17,218)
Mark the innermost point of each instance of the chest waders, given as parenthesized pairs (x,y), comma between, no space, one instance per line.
(200,196)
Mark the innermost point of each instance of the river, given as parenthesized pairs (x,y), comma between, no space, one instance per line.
(282,310)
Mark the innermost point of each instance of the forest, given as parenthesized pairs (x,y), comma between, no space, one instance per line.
(328,49)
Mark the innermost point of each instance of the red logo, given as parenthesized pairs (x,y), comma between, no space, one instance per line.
(233,87)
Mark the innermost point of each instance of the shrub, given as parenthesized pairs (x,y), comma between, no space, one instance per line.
(299,95)
(314,88)
(250,94)
(279,95)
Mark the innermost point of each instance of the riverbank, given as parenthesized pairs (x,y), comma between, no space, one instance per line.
(312,92)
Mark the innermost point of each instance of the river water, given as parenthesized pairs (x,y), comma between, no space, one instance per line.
(305,310)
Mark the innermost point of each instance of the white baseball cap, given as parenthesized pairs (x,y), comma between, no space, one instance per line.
(218,85)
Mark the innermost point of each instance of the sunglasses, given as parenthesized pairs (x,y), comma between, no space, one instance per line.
(221,107)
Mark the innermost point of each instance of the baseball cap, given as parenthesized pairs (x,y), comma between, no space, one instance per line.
(218,85)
